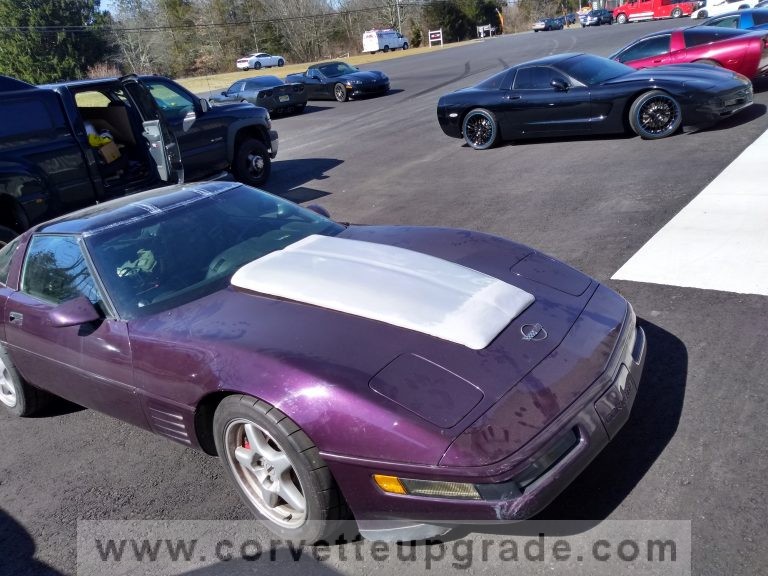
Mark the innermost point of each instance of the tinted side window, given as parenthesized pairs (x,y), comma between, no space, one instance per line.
(646,48)
(24,117)
(55,270)
(535,78)
(236,87)
(174,103)
(760,18)
(727,22)
(6,255)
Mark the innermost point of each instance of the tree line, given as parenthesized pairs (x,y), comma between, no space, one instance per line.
(49,40)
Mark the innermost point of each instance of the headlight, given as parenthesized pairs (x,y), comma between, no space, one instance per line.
(354,82)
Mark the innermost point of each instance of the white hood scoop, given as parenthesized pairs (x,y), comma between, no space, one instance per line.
(389,284)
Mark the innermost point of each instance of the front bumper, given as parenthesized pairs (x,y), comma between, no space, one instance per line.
(593,420)
(357,91)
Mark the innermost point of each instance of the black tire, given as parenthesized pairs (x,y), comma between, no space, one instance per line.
(340,92)
(386,48)
(676,13)
(17,396)
(480,129)
(252,163)
(6,235)
(257,65)
(621,19)
(655,115)
(405,45)
(701,15)
(280,63)
(299,502)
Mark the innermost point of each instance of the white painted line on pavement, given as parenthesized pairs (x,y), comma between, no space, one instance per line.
(719,241)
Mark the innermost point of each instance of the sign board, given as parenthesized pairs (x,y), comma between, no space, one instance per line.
(436,36)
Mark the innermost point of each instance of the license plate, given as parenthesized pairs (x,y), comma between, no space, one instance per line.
(284,98)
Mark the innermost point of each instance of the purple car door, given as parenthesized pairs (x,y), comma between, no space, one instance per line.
(87,363)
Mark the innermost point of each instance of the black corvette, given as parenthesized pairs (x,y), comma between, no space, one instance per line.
(570,94)
(340,81)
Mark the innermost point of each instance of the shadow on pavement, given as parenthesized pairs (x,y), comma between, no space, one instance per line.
(17,550)
(290,174)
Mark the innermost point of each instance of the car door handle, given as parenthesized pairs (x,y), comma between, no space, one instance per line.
(16,318)
(511,97)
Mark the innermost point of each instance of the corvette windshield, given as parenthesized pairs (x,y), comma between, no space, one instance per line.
(590,70)
(335,69)
(186,251)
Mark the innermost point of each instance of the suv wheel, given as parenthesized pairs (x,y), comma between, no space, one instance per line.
(252,163)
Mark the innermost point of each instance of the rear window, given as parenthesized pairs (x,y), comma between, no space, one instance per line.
(24,117)
(760,17)
(705,34)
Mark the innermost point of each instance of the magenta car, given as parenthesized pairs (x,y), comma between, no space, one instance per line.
(416,376)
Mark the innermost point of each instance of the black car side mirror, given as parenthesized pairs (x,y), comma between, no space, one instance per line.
(559,84)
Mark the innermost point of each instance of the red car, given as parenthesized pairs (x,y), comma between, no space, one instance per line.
(742,51)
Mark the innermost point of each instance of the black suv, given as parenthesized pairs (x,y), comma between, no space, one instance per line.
(67,145)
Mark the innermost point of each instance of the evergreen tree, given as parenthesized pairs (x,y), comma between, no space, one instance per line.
(48,40)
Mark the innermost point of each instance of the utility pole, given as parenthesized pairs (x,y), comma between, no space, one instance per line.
(399,24)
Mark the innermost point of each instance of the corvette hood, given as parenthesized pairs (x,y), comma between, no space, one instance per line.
(365,76)
(389,284)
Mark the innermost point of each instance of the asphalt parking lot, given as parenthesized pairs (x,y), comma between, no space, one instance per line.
(694,448)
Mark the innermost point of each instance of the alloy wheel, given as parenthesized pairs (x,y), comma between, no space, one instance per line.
(658,115)
(7,388)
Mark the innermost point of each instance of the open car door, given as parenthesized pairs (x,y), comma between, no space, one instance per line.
(162,142)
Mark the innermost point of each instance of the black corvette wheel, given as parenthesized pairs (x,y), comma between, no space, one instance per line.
(277,469)
(480,129)
(655,115)
(340,92)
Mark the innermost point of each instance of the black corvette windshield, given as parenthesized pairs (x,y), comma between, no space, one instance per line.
(335,69)
(590,70)
(190,249)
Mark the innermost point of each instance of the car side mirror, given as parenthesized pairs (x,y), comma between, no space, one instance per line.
(559,84)
(75,312)
(204,107)
(224,94)
(318,209)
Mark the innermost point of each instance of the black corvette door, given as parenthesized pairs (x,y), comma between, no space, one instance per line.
(535,106)
(314,83)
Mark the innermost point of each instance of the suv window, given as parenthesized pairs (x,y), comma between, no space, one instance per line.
(55,270)
(759,18)
(24,117)
(174,103)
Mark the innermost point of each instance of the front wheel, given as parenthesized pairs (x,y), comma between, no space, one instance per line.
(702,14)
(340,92)
(405,45)
(16,395)
(480,129)
(281,62)
(676,13)
(621,19)
(277,469)
(252,163)
(257,66)
(655,115)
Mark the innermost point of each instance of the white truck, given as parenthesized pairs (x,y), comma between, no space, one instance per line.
(384,40)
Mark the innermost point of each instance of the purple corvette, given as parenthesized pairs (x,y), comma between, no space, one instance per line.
(411,377)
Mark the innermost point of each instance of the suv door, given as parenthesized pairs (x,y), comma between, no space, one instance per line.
(163,145)
(202,139)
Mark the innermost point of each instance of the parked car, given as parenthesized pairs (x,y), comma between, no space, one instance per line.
(340,81)
(748,19)
(718,7)
(596,18)
(267,91)
(53,158)
(384,40)
(742,51)
(546,24)
(270,330)
(259,60)
(584,94)
(571,18)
